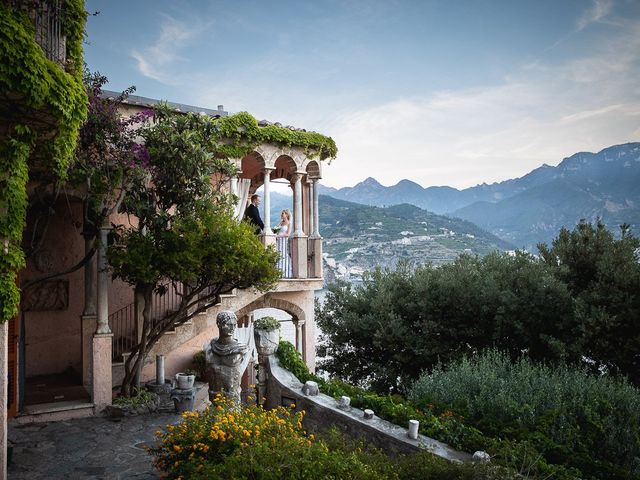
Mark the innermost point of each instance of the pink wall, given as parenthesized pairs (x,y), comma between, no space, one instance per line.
(53,336)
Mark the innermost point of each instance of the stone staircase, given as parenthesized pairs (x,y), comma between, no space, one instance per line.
(186,339)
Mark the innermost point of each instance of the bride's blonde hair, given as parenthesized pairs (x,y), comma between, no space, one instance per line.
(286,213)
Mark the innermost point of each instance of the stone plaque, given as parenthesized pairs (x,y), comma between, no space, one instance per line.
(47,295)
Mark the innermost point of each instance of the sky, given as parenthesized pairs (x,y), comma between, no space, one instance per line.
(441,92)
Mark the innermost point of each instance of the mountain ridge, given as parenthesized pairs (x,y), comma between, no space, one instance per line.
(607,184)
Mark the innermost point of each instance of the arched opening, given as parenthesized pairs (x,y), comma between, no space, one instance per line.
(292,329)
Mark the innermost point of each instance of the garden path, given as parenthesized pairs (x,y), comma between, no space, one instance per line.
(86,448)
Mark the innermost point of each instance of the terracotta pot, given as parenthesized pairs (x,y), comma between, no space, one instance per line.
(266,341)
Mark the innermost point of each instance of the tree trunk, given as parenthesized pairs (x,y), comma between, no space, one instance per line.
(139,353)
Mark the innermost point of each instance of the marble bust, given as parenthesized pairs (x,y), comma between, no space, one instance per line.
(225,358)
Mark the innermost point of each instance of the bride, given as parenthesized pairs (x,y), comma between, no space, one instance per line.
(284,229)
(282,242)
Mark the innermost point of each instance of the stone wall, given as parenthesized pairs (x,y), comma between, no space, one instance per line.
(322,411)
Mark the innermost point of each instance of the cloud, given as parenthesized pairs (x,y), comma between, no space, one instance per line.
(158,61)
(541,113)
(599,10)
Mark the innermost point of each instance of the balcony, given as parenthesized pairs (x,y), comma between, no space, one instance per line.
(301,251)
(46,16)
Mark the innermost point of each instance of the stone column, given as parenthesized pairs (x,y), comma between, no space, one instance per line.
(267,199)
(299,247)
(315,231)
(103,283)
(315,241)
(268,236)
(4,366)
(88,322)
(300,337)
(103,338)
(160,369)
(311,206)
(297,204)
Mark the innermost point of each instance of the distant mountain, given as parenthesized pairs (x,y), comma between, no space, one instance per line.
(532,208)
(359,237)
(585,186)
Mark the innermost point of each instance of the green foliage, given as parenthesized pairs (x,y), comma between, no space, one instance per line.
(36,87)
(241,134)
(199,363)
(225,442)
(389,407)
(141,398)
(43,86)
(13,205)
(185,234)
(267,323)
(436,421)
(399,323)
(603,275)
(571,417)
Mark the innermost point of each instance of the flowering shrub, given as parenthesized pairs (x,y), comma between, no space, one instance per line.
(217,432)
(229,442)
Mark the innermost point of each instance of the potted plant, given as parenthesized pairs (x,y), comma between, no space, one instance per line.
(266,331)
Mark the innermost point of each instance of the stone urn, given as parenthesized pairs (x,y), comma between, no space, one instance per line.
(184,381)
(266,332)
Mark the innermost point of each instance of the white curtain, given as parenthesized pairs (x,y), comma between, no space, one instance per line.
(243,195)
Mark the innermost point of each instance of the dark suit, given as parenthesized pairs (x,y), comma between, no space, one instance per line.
(253,215)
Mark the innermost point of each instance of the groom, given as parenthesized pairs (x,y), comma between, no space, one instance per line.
(253,214)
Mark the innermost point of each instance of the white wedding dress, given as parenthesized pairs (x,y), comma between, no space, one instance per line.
(282,244)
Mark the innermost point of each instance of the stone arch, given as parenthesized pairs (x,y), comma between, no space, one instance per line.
(267,301)
(252,166)
(313,169)
(285,167)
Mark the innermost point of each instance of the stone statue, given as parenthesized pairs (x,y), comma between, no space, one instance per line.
(225,358)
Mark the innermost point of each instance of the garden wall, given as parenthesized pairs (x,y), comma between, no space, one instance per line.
(322,412)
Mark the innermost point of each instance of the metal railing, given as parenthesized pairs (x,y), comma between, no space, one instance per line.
(46,16)
(47,19)
(123,325)
(161,305)
(123,322)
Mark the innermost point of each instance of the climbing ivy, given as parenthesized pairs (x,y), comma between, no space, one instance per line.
(240,134)
(42,110)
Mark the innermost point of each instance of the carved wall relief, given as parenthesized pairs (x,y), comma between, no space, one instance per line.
(47,295)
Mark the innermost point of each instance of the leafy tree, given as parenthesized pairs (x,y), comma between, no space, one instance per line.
(399,323)
(603,275)
(180,232)
(106,153)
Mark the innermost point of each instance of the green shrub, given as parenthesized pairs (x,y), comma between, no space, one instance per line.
(227,442)
(572,417)
(140,398)
(440,423)
(267,323)
(199,364)
(445,427)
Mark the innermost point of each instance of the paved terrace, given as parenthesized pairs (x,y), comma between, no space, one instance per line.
(86,448)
